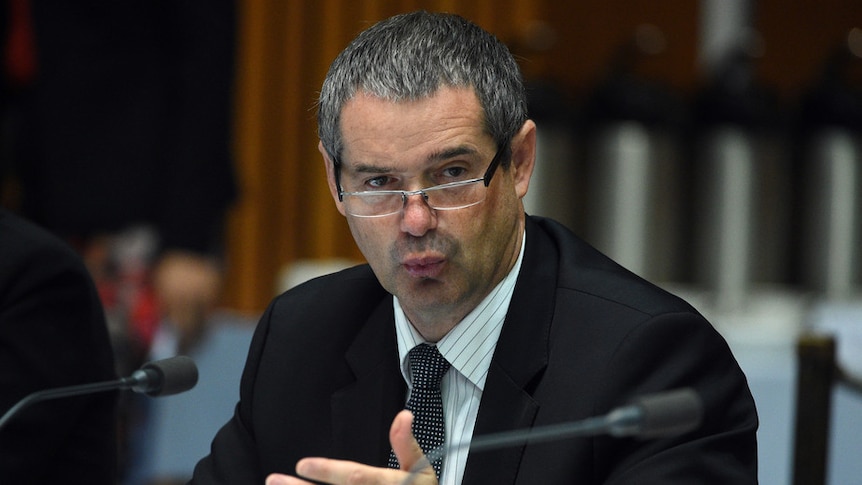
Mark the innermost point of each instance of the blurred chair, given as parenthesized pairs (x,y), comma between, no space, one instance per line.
(818,373)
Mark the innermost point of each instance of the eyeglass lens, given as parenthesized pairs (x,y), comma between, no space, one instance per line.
(442,197)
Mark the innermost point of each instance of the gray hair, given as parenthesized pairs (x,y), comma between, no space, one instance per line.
(411,56)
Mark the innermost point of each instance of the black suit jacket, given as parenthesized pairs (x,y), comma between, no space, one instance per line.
(582,336)
(52,334)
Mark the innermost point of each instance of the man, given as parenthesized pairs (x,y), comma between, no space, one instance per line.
(428,153)
(52,334)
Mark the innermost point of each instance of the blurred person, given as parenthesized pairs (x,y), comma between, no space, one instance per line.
(52,334)
(428,152)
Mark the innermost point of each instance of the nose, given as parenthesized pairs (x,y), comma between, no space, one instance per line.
(418,217)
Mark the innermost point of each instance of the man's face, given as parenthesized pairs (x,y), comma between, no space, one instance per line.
(440,264)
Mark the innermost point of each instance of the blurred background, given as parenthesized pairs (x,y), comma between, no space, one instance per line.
(711,146)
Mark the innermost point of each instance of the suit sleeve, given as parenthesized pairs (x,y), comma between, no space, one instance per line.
(674,351)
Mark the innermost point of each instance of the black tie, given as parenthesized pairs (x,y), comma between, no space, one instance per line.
(427,367)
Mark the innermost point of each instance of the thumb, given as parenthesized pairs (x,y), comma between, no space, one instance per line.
(405,446)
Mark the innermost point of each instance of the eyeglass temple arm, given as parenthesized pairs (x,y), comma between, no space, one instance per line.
(495,162)
(336,168)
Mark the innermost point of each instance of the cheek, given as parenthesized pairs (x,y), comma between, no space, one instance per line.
(477,235)
(498,223)
(359,232)
(499,212)
(370,239)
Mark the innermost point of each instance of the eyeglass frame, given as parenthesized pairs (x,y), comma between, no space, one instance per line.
(486,179)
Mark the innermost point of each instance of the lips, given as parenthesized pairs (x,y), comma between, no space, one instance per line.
(428,267)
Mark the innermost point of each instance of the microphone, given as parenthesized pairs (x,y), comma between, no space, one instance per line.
(164,377)
(158,378)
(662,414)
(657,415)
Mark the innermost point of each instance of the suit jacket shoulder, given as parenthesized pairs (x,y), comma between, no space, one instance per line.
(586,270)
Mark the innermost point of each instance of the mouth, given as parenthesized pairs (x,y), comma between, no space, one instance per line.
(428,267)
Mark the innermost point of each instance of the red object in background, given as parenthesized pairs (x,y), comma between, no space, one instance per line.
(20,51)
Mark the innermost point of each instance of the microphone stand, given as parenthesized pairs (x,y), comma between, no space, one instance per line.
(124,383)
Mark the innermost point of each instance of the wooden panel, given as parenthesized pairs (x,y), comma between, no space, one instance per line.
(798,36)
(590,33)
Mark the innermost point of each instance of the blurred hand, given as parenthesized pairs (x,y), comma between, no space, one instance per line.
(187,286)
(339,472)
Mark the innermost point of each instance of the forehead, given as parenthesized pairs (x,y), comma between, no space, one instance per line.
(380,128)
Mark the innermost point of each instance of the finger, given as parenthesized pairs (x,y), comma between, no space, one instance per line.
(278,479)
(340,472)
(406,448)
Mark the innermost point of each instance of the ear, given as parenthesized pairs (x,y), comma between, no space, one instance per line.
(330,177)
(523,157)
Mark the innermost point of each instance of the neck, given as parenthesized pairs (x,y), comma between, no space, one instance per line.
(432,327)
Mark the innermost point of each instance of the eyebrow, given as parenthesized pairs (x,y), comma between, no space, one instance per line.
(452,153)
(434,157)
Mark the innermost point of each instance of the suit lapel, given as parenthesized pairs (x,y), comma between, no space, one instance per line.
(520,357)
(362,412)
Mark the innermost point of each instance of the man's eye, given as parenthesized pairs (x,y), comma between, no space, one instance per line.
(378,182)
(454,172)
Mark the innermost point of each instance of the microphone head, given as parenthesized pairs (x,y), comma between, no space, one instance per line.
(669,413)
(170,376)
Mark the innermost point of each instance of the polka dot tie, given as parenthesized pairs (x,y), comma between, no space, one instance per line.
(427,367)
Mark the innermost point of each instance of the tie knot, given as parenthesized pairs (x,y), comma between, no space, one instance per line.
(427,366)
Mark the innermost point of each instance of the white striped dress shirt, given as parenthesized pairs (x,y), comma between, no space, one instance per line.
(469,348)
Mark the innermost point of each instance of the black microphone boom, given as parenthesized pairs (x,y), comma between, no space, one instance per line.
(159,378)
(663,414)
